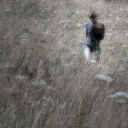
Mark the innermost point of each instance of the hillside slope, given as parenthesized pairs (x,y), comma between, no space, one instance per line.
(44,81)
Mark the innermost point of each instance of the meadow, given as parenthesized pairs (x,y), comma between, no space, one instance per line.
(44,79)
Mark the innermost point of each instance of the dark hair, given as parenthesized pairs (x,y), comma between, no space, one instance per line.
(92,15)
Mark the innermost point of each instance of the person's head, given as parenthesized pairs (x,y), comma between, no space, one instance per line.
(93,16)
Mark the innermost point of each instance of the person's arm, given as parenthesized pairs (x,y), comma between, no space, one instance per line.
(86,31)
(103,33)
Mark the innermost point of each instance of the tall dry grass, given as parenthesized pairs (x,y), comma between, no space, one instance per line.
(44,81)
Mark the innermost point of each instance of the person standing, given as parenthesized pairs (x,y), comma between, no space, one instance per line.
(95,32)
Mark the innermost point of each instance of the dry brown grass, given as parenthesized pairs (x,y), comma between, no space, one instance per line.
(44,81)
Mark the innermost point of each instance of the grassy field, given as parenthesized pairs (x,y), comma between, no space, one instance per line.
(44,79)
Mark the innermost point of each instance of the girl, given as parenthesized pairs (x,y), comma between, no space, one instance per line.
(94,34)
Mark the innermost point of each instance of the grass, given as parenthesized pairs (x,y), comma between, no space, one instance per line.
(44,81)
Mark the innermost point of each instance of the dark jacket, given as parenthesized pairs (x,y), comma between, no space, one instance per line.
(93,34)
